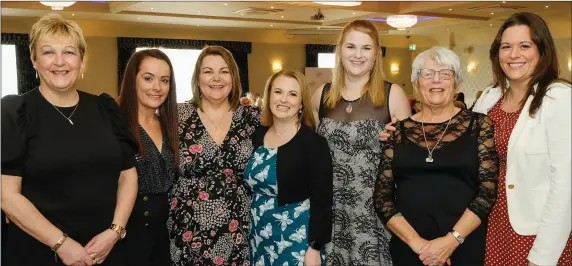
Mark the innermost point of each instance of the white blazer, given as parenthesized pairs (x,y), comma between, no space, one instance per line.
(538,176)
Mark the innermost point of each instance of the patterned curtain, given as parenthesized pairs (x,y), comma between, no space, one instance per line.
(26,73)
(312,51)
(126,47)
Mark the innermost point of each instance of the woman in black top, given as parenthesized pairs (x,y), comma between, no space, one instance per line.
(439,173)
(68,176)
(148,100)
(290,176)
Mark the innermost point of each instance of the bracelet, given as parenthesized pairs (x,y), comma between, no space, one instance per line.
(60,242)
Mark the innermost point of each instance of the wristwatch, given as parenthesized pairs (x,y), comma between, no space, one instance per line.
(458,236)
(315,245)
(121,232)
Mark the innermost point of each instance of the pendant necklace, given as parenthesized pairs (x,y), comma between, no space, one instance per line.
(66,117)
(349,108)
(429,158)
(217,127)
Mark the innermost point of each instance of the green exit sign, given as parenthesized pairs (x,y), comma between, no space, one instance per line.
(412,47)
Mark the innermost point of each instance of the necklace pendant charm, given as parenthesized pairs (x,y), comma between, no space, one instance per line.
(70,121)
(216,131)
(349,108)
(429,159)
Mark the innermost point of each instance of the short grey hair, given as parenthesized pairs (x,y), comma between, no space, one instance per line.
(441,56)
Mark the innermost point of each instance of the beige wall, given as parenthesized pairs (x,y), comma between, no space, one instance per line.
(270,45)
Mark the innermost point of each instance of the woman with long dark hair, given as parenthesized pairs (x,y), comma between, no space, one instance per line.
(148,101)
(531,109)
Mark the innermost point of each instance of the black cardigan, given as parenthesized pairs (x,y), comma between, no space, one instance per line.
(304,170)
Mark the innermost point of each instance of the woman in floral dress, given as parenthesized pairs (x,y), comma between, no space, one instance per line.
(208,220)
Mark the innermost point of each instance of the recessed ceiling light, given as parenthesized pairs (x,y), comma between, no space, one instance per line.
(546,6)
(197,25)
(242,14)
(272,7)
(281,16)
(199,11)
(318,27)
(225,4)
(450,9)
(73,14)
(492,13)
(491,25)
(447,29)
(138,18)
(353,13)
(271,25)
(151,8)
(504,2)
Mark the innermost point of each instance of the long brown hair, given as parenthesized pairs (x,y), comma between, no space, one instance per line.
(128,103)
(546,71)
(235,93)
(374,87)
(307,116)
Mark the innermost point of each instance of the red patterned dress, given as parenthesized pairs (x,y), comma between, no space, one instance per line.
(504,246)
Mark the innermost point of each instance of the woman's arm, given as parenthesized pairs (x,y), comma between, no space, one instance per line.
(554,228)
(316,104)
(399,106)
(26,216)
(384,196)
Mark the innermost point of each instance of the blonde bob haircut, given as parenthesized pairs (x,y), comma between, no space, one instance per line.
(236,91)
(307,116)
(53,25)
(374,87)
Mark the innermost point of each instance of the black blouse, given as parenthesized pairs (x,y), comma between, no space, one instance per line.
(69,172)
(157,171)
(304,170)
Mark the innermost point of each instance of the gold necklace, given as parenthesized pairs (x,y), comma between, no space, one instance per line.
(217,127)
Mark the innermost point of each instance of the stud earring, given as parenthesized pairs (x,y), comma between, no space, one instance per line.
(81,75)
(300,111)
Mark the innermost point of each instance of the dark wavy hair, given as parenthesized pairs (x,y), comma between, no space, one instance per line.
(128,103)
(546,71)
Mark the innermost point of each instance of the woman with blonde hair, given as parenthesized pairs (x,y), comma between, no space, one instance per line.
(209,212)
(290,176)
(68,176)
(352,110)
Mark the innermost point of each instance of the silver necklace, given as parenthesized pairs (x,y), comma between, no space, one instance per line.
(429,158)
(66,117)
(280,133)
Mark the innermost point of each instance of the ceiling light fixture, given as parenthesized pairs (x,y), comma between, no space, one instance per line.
(401,22)
(450,9)
(58,5)
(339,3)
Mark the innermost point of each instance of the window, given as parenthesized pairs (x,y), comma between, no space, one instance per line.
(183,61)
(9,77)
(326,60)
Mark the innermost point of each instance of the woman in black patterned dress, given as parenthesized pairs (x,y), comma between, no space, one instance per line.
(210,207)
(149,102)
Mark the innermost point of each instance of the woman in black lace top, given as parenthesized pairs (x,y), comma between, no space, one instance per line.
(148,100)
(439,172)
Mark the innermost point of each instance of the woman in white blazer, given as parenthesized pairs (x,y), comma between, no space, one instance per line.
(531,109)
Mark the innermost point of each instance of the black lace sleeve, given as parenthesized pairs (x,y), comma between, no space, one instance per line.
(384,192)
(488,168)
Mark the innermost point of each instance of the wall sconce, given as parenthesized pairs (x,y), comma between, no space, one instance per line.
(276,66)
(394,68)
(471,67)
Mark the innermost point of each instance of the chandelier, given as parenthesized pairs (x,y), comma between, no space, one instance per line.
(401,22)
(339,3)
(58,5)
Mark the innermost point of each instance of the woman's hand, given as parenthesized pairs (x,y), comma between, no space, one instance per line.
(388,129)
(312,257)
(438,251)
(100,246)
(418,245)
(72,253)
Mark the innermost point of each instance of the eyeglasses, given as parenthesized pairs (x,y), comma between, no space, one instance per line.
(444,74)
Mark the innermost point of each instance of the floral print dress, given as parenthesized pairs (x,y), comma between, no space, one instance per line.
(209,214)
(278,234)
